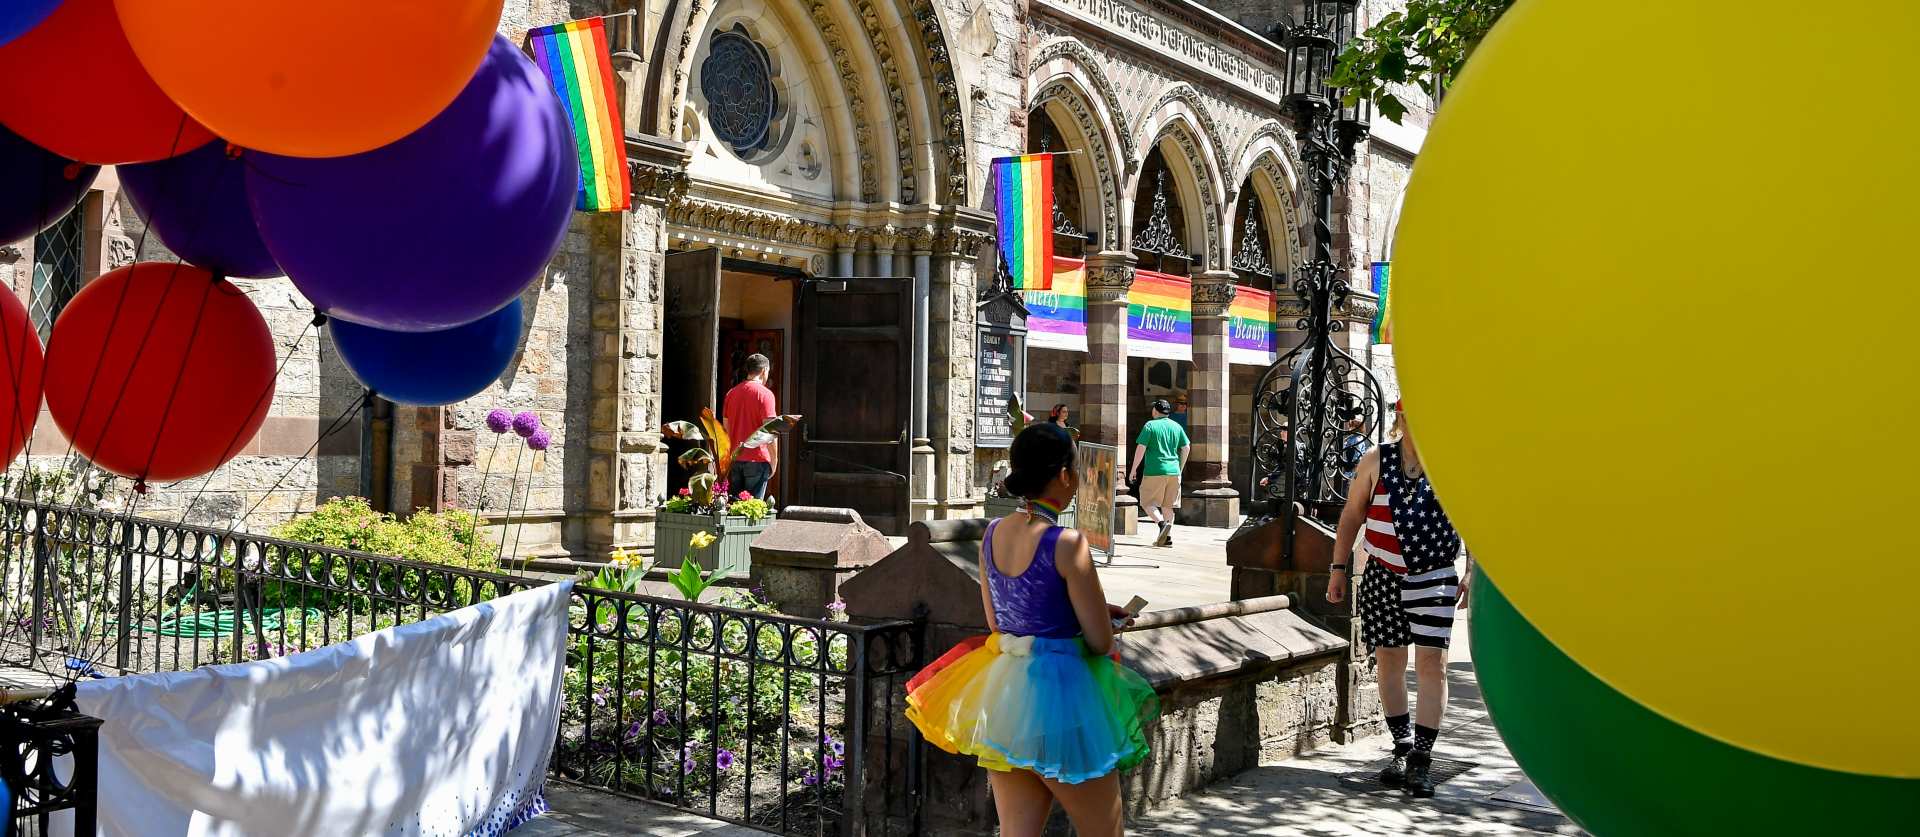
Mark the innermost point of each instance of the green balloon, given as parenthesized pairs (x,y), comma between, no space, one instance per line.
(1617,768)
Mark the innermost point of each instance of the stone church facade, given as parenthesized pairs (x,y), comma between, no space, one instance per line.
(811,179)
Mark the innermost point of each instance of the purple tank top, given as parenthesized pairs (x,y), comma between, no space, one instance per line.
(1033,603)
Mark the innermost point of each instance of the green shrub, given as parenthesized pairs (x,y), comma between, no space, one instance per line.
(447,538)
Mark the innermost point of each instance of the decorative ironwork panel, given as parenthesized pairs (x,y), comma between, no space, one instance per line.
(737,81)
(1157,236)
(1250,254)
(57,257)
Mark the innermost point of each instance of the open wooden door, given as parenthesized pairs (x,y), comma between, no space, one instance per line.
(690,347)
(853,451)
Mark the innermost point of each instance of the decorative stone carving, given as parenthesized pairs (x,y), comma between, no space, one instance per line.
(1109,282)
(652,181)
(896,97)
(1184,93)
(9,253)
(1269,166)
(741,222)
(953,124)
(1103,166)
(1212,298)
(856,104)
(1097,79)
(1209,205)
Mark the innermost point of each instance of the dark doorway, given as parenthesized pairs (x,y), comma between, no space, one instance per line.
(852,377)
(690,347)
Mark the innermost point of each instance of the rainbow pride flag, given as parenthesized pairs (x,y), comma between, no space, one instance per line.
(574,57)
(1160,316)
(1023,189)
(1250,331)
(1057,317)
(1382,327)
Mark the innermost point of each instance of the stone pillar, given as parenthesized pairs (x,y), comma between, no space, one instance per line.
(954,285)
(844,241)
(1208,495)
(883,242)
(1103,376)
(923,459)
(631,454)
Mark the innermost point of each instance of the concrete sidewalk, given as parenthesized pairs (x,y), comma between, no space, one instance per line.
(1332,792)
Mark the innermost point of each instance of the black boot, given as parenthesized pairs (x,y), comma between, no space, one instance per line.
(1420,774)
(1395,773)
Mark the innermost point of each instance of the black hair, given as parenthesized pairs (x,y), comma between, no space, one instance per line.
(1161,406)
(1038,455)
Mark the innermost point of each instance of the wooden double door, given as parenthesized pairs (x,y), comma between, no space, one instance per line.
(851,381)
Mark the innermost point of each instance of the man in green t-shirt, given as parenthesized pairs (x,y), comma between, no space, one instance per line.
(1162,447)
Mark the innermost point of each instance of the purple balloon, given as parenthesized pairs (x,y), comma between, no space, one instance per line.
(37,186)
(439,228)
(196,204)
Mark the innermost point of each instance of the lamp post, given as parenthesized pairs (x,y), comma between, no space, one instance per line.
(1306,400)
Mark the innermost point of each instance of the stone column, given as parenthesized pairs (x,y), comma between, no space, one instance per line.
(923,460)
(1103,376)
(1208,494)
(626,465)
(883,242)
(844,241)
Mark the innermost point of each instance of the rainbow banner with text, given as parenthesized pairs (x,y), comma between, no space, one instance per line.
(1057,317)
(1250,327)
(1160,316)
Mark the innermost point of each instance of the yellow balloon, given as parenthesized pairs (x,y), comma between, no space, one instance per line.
(1652,322)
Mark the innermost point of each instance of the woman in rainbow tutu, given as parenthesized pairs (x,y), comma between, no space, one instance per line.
(1041,701)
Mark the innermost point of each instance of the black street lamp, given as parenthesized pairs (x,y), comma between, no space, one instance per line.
(1307,401)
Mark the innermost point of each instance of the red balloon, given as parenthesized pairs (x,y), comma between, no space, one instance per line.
(159,371)
(73,86)
(21,364)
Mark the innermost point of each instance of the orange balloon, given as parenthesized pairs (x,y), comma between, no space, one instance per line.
(311,79)
(73,87)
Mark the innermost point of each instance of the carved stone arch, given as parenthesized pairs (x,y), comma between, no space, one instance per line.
(1182,93)
(1100,142)
(1202,192)
(937,62)
(1073,58)
(1174,118)
(1267,157)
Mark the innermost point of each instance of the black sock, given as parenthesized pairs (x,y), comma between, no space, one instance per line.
(1423,738)
(1401,728)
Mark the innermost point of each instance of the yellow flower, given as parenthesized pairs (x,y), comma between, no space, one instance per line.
(624,559)
(702,540)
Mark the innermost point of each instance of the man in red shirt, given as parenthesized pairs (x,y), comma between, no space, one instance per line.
(747,407)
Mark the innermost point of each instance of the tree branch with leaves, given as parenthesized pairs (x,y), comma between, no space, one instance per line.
(1423,46)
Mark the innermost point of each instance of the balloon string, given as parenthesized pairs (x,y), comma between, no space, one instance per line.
(173,393)
(526,501)
(233,444)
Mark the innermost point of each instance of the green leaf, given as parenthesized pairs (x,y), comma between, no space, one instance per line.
(683,430)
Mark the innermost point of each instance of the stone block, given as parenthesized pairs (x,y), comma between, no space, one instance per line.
(801,559)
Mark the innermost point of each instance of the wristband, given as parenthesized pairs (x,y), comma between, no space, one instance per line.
(1340,567)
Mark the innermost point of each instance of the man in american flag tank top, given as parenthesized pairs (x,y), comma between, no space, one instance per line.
(1407,595)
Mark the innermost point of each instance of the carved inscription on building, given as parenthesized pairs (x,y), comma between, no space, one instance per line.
(1162,35)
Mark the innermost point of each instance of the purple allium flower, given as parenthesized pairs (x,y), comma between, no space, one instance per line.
(499,421)
(525,423)
(540,439)
(723,760)
(661,718)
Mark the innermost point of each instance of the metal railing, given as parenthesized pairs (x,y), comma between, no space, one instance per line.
(51,765)
(727,710)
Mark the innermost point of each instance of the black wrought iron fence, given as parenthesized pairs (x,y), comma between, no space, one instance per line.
(50,764)
(729,710)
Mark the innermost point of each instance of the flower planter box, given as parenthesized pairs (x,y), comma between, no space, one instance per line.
(673,535)
(1003,506)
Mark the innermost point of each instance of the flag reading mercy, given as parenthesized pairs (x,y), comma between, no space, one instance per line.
(1024,190)
(573,55)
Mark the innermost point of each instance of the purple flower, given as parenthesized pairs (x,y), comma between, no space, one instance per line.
(633,731)
(661,718)
(540,439)
(686,766)
(499,421)
(839,748)
(835,763)
(525,423)
(600,696)
(837,607)
(723,760)
(810,779)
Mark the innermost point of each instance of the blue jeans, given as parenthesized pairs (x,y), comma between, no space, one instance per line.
(750,477)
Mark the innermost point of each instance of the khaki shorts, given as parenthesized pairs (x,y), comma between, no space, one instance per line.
(1163,492)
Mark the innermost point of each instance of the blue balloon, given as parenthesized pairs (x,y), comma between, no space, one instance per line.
(431,368)
(17,16)
(37,186)
(196,204)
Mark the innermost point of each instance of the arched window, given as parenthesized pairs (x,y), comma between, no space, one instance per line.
(1069,230)
(1159,223)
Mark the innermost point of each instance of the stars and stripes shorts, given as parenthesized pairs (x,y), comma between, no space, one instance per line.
(1414,609)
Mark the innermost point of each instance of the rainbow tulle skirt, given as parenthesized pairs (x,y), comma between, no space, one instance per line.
(1034,703)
